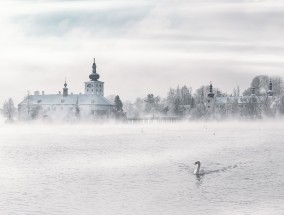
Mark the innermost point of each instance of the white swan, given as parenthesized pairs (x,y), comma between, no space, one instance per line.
(198,171)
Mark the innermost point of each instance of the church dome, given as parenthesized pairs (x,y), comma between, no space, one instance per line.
(94,76)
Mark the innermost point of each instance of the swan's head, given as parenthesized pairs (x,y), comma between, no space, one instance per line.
(197,162)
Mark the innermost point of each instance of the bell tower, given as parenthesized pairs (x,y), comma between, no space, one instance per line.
(94,86)
(210,101)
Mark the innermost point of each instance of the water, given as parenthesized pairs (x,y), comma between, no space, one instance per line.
(142,169)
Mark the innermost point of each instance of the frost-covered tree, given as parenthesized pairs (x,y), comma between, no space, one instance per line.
(179,99)
(153,104)
(9,109)
(118,104)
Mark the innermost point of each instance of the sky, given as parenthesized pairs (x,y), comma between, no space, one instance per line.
(140,46)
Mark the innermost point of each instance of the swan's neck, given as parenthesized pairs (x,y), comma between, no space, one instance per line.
(198,168)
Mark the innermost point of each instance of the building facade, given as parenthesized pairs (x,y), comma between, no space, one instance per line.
(66,106)
(243,105)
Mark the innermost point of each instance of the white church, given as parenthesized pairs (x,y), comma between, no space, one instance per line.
(65,106)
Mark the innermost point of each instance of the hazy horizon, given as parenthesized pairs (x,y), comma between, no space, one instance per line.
(140,46)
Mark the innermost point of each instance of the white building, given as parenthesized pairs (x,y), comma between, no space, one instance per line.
(243,104)
(65,106)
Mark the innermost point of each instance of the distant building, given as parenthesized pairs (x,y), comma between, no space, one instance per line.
(65,105)
(243,104)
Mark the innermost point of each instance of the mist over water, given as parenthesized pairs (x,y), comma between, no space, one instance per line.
(142,168)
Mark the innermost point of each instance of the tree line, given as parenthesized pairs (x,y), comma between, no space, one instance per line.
(183,102)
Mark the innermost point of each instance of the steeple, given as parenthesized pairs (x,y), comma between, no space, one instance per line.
(65,89)
(94,76)
(211,94)
(270,92)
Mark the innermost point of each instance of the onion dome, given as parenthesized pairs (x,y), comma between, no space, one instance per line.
(94,76)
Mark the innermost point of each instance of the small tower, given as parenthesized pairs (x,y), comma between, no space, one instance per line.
(270,90)
(65,89)
(210,99)
(94,86)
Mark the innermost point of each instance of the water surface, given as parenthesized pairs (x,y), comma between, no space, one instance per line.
(142,169)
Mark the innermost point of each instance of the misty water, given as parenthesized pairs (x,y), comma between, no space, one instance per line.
(142,169)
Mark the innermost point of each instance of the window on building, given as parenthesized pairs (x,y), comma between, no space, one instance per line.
(39,101)
(93,101)
(208,106)
(62,100)
(92,90)
(208,101)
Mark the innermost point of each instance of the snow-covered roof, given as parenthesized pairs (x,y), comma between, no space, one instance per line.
(58,99)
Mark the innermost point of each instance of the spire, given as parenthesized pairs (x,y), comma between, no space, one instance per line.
(211,94)
(94,66)
(65,85)
(94,76)
(65,89)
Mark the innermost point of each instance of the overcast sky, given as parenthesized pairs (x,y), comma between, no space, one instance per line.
(141,46)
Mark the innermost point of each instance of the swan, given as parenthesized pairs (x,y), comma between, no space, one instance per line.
(198,171)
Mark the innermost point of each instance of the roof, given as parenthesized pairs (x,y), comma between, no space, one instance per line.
(58,99)
(238,99)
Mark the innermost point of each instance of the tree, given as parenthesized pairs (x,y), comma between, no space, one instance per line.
(77,108)
(200,96)
(139,107)
(153,105)
(179,98)
(35,111)
(9,109)
(118,111)
(278,87)
(185,95)
(281,105)
(118,104)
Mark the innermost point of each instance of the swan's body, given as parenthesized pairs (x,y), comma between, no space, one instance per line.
(198,171)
